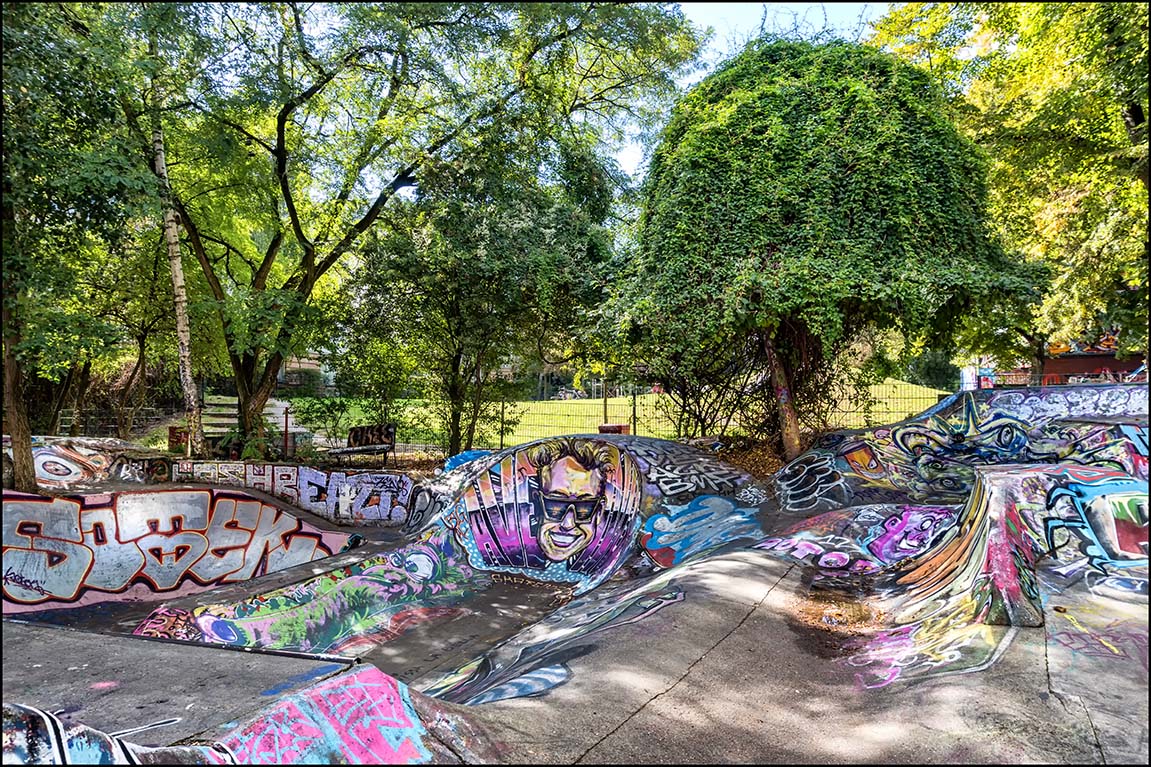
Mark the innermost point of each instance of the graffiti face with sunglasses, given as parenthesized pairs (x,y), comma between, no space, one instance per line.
(570,498)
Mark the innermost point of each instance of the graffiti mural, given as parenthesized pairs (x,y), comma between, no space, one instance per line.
(811,484)
(361,716)
(950,531)
(346,497)
(69,551)
(67,462)
(534,661)
(933,457)
(1042,405)
(672,469)
(32,736)
(946,604)
(705,524)
(908,532)
(563,510)
(1108,517)
(364,604)
(358,716)
(427,506)
(861,539)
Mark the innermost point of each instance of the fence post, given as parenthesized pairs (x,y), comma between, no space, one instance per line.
(634,424)
(603,385)
(501,423)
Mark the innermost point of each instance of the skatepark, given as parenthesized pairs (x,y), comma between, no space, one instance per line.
(968,585)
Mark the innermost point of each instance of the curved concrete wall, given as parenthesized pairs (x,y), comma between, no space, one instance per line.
(79,550)
(358,716)
(352,497)
(933,457)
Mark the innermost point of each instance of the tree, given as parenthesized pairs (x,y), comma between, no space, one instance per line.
(493,252)
(1056,93)
(128,289)
(301,124)
(155,106)
(1007,330)
(67,180)
(800,194)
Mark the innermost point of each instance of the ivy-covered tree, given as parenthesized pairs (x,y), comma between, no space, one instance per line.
(800,194)
(1056,93)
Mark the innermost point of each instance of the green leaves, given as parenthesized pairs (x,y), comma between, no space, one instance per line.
(70,187)
(1056,93)
(811,191)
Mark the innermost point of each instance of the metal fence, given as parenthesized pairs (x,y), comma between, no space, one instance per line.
(644,411)
(103,423)
(651,413)
(648,413)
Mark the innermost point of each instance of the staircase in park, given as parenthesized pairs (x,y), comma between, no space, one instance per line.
(221,416)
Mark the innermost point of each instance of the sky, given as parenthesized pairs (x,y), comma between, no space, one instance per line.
(735,23)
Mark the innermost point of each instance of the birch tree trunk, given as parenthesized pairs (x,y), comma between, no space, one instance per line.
(196,445)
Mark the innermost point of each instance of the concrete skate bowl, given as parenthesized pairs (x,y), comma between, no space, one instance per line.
(69,552)
(521,569)
(126,525)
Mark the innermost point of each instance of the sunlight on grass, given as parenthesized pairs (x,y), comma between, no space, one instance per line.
(646,414)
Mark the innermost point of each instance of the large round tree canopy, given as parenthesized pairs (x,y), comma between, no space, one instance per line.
(816,185)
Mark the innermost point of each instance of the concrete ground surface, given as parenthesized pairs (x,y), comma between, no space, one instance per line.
(741,681)
(729,675)
(967,586)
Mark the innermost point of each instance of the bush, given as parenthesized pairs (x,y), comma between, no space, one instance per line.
(329,415)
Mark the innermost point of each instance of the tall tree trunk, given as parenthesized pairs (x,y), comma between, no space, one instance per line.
(1036,377)
(61,398)
(127,404)
(1038,346)
(15,411)
(788,420)
(172,240)
(253,397)
(477,402)
(79,397)
(603,386)
(455,392)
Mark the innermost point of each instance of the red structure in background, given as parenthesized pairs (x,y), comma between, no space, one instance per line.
(1080,362)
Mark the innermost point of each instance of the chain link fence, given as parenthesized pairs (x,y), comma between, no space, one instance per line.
(628,408)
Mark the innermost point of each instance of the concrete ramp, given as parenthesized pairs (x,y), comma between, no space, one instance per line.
(77,551)
(222,707)
(909,552)
(933,457)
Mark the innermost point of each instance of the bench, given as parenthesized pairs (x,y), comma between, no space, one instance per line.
(369,440)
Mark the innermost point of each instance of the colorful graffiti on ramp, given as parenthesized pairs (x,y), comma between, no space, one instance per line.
(947,528)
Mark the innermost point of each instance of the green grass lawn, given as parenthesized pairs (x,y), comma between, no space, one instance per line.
(897,400)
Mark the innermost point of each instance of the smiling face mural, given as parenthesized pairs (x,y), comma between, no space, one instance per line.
(564,510)
(568,501)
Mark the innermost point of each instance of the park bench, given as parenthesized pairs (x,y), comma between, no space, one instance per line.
(369,440)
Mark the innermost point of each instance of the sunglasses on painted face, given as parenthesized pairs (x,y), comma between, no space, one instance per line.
(555,509)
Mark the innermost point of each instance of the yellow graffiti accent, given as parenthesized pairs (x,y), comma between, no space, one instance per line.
(1085,630)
